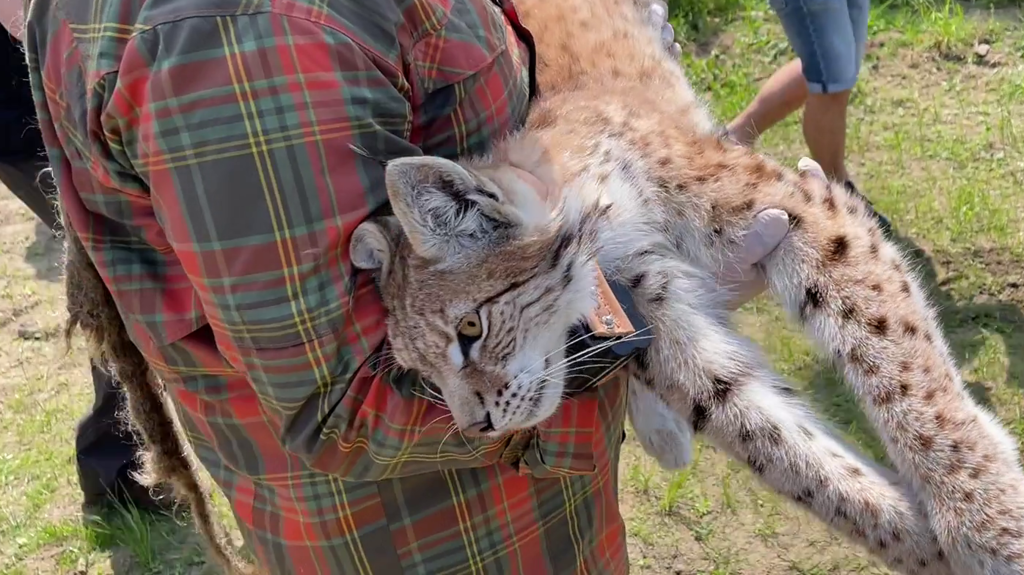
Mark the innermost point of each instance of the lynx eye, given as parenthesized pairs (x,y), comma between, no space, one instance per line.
(470,325)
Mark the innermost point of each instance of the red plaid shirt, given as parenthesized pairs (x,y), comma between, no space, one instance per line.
(202,149)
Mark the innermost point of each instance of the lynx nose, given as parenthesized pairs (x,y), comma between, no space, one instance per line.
(481,427)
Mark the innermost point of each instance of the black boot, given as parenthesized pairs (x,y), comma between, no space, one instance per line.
(106,455)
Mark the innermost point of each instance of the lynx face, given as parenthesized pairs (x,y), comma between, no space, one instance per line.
(481,289)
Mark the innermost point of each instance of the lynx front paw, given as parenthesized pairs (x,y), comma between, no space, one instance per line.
(663,433)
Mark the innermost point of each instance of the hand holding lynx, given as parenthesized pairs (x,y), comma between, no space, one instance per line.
(657,17)
(742,275)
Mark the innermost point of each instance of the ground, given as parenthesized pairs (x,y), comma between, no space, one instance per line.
(936,132)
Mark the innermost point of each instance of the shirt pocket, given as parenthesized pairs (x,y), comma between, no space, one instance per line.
(565,444)
(470,81)
(471,35)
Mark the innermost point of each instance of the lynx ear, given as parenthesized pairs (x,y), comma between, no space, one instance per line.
(446,212)
(373,242)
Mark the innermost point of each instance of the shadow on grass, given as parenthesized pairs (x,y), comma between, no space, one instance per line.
(965,323)
(44,255)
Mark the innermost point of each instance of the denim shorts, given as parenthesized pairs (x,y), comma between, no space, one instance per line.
(829,38)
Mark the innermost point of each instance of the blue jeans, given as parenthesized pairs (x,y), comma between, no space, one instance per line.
(829,38)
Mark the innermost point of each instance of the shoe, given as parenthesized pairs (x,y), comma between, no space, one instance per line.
(883,222)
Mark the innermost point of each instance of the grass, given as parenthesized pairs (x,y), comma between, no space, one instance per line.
(936,136)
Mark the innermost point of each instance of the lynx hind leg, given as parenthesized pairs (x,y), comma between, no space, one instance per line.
(853,293)
(662,432)
(716,379)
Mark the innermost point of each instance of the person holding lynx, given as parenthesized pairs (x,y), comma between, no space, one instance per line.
(262,200)
(208,181)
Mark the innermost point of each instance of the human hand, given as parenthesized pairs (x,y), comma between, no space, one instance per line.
(741,274)
(656,13)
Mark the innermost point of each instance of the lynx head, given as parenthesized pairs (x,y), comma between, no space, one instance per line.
(482,283)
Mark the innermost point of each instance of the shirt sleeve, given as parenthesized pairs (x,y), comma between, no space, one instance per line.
(242,128)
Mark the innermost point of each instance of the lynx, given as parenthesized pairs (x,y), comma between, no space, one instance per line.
(483,272)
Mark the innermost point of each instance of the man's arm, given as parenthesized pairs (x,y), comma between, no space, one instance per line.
(241,127)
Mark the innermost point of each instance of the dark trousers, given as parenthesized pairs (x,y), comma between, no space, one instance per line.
(104,448)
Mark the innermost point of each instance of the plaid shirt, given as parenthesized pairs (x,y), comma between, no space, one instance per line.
(202,149)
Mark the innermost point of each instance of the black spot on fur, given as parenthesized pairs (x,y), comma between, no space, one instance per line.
(841,513)
(488,194)
(773,434)
(905,366)
(567,275)
(757,465)
(479,397)
(905,287)
(805,497)
(874,249)
(721,388)
(795,221)
(660,293)
(830,202)
(909,329)
(635,281)
(812,301)
(854,357)
(879,326)
(699,416)
(561,246)
(837,249)
(847,311)
(746,435)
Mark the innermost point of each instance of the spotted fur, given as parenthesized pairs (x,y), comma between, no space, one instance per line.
(648,190)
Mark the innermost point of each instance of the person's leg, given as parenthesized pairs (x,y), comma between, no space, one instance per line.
(783,93)
(24,178)
(824,121)
(829,37)
(825,131)
(103,446)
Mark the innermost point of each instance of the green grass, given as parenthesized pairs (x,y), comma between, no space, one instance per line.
(935,141)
